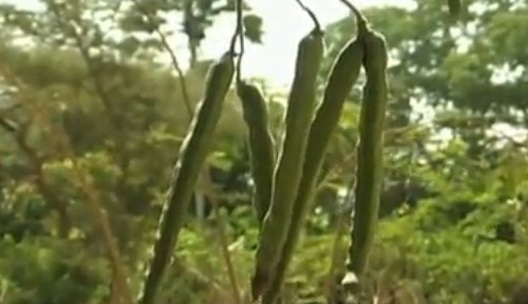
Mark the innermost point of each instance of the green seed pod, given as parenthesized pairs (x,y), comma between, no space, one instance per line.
(193,153)
(369,174)
(343,75)
(261,145)
(288,170)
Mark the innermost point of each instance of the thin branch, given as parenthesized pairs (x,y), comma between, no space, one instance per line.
(311,14)
(8,125)
(102,222)
(85,54)
(61,143)
(122,158)
(336,254)
(181,75)
(174,60)
(115,121)
(222,235)
(240,33)
(361,21)
(19,133)
(337,170)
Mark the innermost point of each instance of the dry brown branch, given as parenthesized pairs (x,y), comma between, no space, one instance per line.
(112,114)
(212,195)
(61,142)
(40,181)
(99,217)
(18,132)
(174,60)
(71,28)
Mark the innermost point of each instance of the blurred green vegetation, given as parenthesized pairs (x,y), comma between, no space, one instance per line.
(86,118)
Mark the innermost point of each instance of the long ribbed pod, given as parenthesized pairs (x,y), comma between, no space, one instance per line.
(260,143)
(369,174)
(343,75)
(288,170)
(193,153)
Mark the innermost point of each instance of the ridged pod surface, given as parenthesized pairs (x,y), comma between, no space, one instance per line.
(192,156)
(260,143)
(369,151)
(288,169)
(343,75)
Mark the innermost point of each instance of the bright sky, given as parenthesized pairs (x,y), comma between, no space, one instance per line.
(284,25)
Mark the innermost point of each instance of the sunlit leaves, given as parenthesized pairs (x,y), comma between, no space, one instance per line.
(59,272)
(26,21)
(502,42)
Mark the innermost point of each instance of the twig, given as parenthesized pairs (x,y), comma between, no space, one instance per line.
(181,76)
(311,14)
(341,230)
(240,32)
(361,21)
(213,198)
(19,134)
(85,54)
(336,170)
(93,200)
(94,204)
(101,220)
(36,164)
(174,60)
(105,99)
(8,125)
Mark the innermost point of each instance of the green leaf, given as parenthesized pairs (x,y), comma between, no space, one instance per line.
(253,28)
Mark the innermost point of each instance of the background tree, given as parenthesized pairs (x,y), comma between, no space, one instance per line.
(88,113)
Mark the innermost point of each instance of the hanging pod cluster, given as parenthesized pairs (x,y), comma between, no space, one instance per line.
(285,184)
(343,75)
(285,189)
(288,168)
(192,156)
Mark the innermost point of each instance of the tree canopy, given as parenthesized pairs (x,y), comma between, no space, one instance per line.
(91,121)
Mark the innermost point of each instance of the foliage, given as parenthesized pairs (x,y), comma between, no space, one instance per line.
(79,106)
